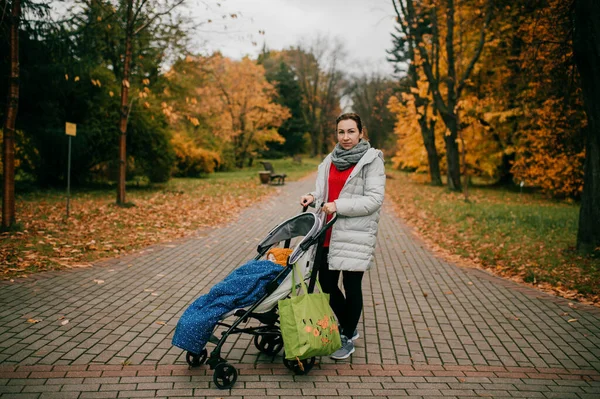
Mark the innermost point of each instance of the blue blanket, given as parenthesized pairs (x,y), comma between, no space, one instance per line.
(241,288)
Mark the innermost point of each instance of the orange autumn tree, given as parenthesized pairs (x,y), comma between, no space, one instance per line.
(197,150)
(412,114)
(239,105)
(406,60)
(423,26)
(549,145)
(520,114)
(482,155)
(458,31)
(222,106)
(526,96)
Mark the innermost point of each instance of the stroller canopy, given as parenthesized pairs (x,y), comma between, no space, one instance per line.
(306,225)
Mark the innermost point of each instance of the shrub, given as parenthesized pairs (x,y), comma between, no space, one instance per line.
(190,160)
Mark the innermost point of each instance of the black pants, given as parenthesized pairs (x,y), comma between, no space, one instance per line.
(349,307)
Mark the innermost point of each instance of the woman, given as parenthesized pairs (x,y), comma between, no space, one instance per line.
(351,183)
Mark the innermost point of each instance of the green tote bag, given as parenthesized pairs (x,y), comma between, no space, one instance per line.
(308,325)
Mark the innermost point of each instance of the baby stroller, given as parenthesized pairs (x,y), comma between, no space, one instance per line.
(304,231)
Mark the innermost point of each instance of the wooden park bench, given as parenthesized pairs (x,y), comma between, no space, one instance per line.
(277,178)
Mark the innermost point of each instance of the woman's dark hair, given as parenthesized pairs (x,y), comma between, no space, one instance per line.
(352,116)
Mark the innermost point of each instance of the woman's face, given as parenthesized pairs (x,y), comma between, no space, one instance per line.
(348,134)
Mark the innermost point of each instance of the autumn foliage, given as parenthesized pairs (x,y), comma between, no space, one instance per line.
(191,160)
(98,229)
(520,236)
(520,114)
(226,106)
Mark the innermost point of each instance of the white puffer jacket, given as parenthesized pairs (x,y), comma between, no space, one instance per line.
(354,234)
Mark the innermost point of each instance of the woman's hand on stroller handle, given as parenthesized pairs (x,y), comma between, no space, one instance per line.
(329,208)
(306,200)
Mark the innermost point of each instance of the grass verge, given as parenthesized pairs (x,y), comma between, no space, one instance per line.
(97,228)
(521,236)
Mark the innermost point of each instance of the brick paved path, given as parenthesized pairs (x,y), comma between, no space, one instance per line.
(429,329)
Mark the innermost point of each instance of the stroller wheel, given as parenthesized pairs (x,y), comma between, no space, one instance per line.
(268,344)
(225,375)
(299,367)
(194,360)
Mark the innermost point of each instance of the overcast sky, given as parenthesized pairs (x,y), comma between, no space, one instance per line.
(364,26)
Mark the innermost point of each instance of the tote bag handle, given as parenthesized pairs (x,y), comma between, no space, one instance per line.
(303,289)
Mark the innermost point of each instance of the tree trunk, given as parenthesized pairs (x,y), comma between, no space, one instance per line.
(586,43)
(451,118)
(12,105)
(317,143)
(125,105)
(428,133)
(427,129)
(506,177)
(452,153)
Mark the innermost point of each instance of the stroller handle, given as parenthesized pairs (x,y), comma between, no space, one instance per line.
(329,224)
(307,244)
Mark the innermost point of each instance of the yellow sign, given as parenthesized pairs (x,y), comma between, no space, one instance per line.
(71,129)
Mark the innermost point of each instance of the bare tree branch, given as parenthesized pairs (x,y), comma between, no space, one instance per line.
(471,65)
(411,20)
(157,15)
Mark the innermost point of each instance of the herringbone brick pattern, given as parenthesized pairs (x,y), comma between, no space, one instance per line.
(429,328)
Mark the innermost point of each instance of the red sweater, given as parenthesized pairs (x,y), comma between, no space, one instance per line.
(336,182)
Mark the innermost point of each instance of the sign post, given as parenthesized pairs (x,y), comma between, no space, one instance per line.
(71,131)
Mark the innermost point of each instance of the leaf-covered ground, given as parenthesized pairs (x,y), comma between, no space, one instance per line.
(523,237)
(520,236)
(98,229)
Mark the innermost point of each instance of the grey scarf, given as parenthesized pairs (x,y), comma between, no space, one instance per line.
(343,159)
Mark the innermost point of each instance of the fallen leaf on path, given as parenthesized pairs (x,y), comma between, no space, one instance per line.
(54,243)
(572,320)
(98,281)
(162,323)
(64,322)
(33,321)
